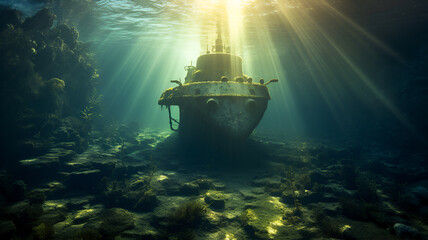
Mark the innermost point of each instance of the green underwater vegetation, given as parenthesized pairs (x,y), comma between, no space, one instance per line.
(49,79)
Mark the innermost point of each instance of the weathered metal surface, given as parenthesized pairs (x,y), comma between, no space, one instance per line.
(232,117)
(188,92)
(217,101)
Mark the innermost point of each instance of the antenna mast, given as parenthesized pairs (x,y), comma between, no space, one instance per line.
(219,41)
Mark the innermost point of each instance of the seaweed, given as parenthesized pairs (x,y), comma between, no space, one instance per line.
(91,111)
(186,217)
(297,211)
(135,193)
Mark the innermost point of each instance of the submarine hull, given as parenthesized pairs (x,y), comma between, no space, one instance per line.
(232,120)
(218,110)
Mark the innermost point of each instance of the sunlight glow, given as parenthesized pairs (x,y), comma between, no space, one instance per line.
(275,38)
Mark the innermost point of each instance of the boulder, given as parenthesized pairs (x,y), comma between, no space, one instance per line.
(53,212)
(215,200)
(189,189)
(264,219)
(403,230)
(24,214)
(7,229)
(318,176)
(114,221)
(146,202)
(85,215)
(205,184)
(83,180)
(12,191)
(41,168)
(37,196)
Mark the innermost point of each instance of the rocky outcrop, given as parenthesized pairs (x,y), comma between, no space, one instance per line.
(47,76)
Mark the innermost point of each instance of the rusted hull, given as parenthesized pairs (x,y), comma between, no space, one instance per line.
(233,119)
(218,110)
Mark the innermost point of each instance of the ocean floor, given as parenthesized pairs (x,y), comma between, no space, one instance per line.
(146,184)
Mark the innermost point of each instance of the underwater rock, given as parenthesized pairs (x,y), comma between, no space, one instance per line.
(135,193)
(42,231)
(9,16)
(364,230)
(307,197)
(328,156)
(36,196)
(114,221)
(19,188)
(55,189)
(215,200)
(65,231)
(147,202)
(53,216)
(318,176)
(24,214)
(37,169)
(189,189)
(80,180)
(12,191)
(68,34)
(416,194)
(329,209)
(48,78)
(264,219)
(7,229)
(42,21)
(248,194)
(403,230)
(386,219)
(76,203)
(337,190)
(51,98)
(266,181)
(85,215)
(205,184)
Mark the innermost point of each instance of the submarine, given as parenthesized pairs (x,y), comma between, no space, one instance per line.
(216,101)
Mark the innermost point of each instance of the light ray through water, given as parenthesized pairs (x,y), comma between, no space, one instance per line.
(167,43)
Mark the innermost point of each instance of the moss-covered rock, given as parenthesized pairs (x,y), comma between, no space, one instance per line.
(265,219)
(7,229)
(47,76)
(215,200)
(114,221)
